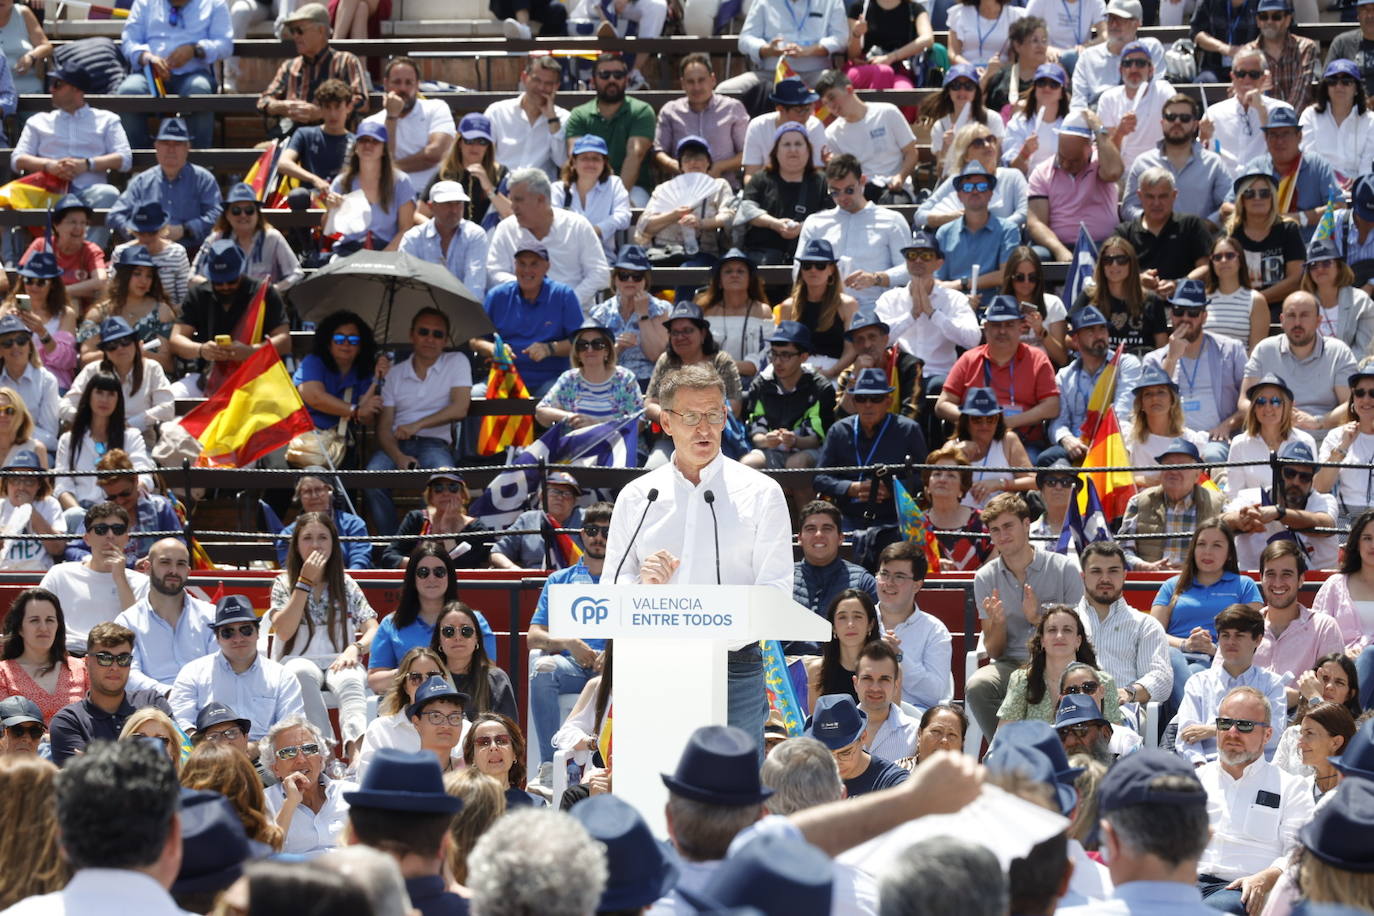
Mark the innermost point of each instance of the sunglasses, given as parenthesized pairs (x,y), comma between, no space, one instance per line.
(434,717)
(477,141)
(980,142)
(1247,74)
(1257,193)
(290,753)
(419,677)
(1244,726)
(489,740)
(1362,393)
(1047,83)
(1117,260)
(8,411)
(166,742)
(1084,688)
(1078,731)
(1274,401)
(963,86)
(815,265)
(848,191)
(1221,256)
(1271,17)
(921,254)
(243,629)
(106,659)
(1340,81)
(596,343)
(1024,278)
(1064,483)
(869,398)
(104,528)
(424,572)
(431,332)
(34,731)
(467,631)
(114,345)
(37,281)
(1185,312)
(975,187)
(1321,265)
(625,276)
(17,340)
(596,531)
(1175,116)
(231,733)
(449,487)
(612,74)
(1136,63)
(351,339)
(243,210)
(1295,474)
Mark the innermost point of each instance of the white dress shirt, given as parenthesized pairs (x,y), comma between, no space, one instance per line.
(108,891)
(930,338)
(1202,701)
(1237,131)
(412,132)
(1348,146)
(264,694)
(86,133)
(897,736)
(871,239)
(160,652)
(38,389)
(575,254)
(1249,835)
(926,648)
(313,832)
(1131,646)
(521,143)
(466,258)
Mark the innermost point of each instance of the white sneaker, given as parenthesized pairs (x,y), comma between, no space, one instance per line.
(637,82)
(514,28)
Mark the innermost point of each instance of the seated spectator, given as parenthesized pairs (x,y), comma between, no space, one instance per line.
(266,253)
(297,92)
(528,130)
(773,37)
(1027,394)
(220,307)
(1134,314)
(889,733)
(23,727)
(1235,125)
(853,619)
(702,112)
(942,498)
(976,242)
(338,381)
(147,511)
(1342,596)
(819,302)
(690,342)
(427,394)
(306,802)
(1058,640)
(188,193)
(444,512)
(496,746)
(1131,647)
(1260,516)
(625,123)
(148,399)
(634,315)
(595,389)
(1235,309)
(822,574)
(975,143)
(1317,367)
(314,155)
(1268,428)
(46,313)
(587,186)
(1005,81)
(1099,65)
(1156,421)
(735,306)
(393,727)
(1295,638)
(178,45)
(422,600)
(1349,438)
(795,104)
(929,320)
(437,718)
(958,104)
(1056,483)
(789,407)
(369,183)
(100,715)
(136,295)
(1077,186)
(27,506)
(674,231)
(536,316)
(1045,318)
(552,17)
(558,507)
(1169,245)
(1324,732)
(222,768)
(1193,180)
(1346,311)
(1291,59)
(417,132)
(982,436)
(1313,182)
(36,664)
(97,588)
(99,424)
(840,725)
(1076,381)
(779,196)
(145,223)
(1176,505)
(171,628)
(1141,95)
(487,184)
(316,593)
(575,255)
(870,335)
(868,238)
(923,640)
(1031,133)
(74,142)
(1273,245)
(887,45)
(81,261)
(1332,680)
(1339,125)
(237,676)
(153,724)
(875,133)
(19,430)
(449,239)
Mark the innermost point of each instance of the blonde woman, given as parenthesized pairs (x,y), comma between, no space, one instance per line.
(1009,196)
(153,724)
(17,428)
(595,388)
(1268,428)
(1273,246)
(29,841)
(1156,420)
(1346,311)
(484,800)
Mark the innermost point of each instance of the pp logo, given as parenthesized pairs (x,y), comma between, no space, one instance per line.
(591,610)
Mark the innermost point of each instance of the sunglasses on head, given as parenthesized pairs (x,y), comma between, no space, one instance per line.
(1247,74)
(1220,256)
(243,210)
(290,753)
(424,572)
(1257,193)
(104,528)
(14,340)
(975,187)
(351,339)
(1185,312)
(1175,116)
(1244,726)
(419,677)
(1274,401)
(595,343)
(113,345)
(106,659)
(229,631)
(625,276)
(1084,688)
(1295,474)
(32,730)
(466,631)
(436,333)
(596,531)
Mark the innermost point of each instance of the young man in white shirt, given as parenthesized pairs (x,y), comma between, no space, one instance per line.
(875,133)
(96,589)
(923,641)
(889,733)
(529,128)
(419,131)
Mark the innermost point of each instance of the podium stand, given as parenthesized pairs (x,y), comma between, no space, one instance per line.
(670,664)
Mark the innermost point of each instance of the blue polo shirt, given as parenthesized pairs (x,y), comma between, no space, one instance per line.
(554,315)
(1200,604)
(390,645)
(989,247)
(578,573)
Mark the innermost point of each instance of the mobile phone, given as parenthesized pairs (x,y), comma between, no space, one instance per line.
(23,303)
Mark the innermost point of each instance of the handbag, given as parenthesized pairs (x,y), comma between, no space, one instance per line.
(320,448)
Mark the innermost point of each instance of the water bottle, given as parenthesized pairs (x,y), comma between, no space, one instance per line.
(689,241)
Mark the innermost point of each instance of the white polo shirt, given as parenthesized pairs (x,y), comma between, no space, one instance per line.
(429,116)
(414,398)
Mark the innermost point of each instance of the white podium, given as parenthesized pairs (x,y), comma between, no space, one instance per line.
(670,664)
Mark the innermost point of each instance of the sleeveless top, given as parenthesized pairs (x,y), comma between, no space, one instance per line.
(995,458)
(14,39)
(838,680)
(1228,314)
(823,343)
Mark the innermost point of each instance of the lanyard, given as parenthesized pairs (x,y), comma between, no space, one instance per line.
(858,431)
(1078,27)
(1232,20)
(1011,378)
(1183,371)
(792,11)
(984,36)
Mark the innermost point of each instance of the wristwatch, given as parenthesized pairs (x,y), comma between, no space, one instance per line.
(200,53)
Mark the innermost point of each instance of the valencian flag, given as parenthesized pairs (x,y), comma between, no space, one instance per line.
(249,330)
(1108,449)
(777,683)
(916,526)
(1326,226)
(503,381)
(257,410)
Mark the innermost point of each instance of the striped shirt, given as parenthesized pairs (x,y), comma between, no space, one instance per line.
(1228,314)
(298,78)
(1131,647)
(173,269)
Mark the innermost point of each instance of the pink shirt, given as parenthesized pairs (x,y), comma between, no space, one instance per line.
(1333,599)
(1084,198)
(1298,647)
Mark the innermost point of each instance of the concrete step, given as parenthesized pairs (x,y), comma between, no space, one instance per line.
(401,28)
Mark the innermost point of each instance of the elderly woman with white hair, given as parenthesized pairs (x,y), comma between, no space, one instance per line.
(307,804)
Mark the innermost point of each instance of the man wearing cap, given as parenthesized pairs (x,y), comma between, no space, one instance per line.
(1356,44)
(178,43)
(626,124)
(1021,376)
(217,722)
(1133,110)
(869,335)
(789,405)
(97,588)
(557,505)
(172,627)
(145,223)
(1099,65)
(291,94)
(1207,368)
(702,112)
(840,725)
(875,133)
(188,193)
(1317,368)
(21,726)
(634,315)
(419,131)
(1260,517)
(795,104)
(773,30)
(1235,125)
(101,714)
(314,155)
(1083,729)
(868,239)
(1292,59)
(401,808)
(449,239)
(1089,332)
(1076,186)
(976,240)
(1159,213)
(1176,505)
(1306,180)
(528,129)
(572,249)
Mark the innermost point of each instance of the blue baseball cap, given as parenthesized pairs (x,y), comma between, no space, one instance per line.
(789,127)
(1137,47)
(13,324)
(436,688)
(1179,446)
(960,71)
(1003,308)
(1342,67)
(1150,376)
(1272,6)
(1032,762)
(1362,196)
(1076,709)
(476,127)
(1189,294)
(792,332)
(1297,451)
(24,460)
(1129,782)
(590,143)
(1282,116)
(633,258)
(173,129)
(693,141)
(981,402)
(149,216)
(241,193)
(922,240)
(1051,71)
(862,320)
(372,131)
(1086,317)
(226,261)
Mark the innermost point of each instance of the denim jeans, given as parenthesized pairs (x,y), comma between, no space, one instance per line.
(201,124)
(554,676)
(428,452)
(747,699)
(1216,896)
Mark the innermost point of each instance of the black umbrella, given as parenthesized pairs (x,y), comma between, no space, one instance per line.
(387,288)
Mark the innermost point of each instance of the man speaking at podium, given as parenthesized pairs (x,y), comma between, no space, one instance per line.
(704,519)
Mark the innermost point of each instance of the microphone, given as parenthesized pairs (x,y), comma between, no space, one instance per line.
(652,495)
(715,527)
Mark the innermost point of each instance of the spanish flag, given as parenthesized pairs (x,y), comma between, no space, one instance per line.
(1103,395)
(499,433)
(249,330)
(35,191)
(260,176)
(894,379)
(255,411)
(1108,449)
(566,549)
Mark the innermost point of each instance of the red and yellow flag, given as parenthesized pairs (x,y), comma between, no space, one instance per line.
(249,330)
(568,551)
(1108,449)
(200,559)
(35,191)
(257,410)
(1103,395)
(503,381)
(894,379)
(259,177)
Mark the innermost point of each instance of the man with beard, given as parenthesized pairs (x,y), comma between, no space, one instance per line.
(419,131)
(147,511)
(1254,807)
(870,335)
(1292,59)
(1206,367)
(1082,730)
(1317,368)
(1099,65)
(1091,335)
(1294,637)
(1200,176)
(170,627)
(627,125)
(1261,517)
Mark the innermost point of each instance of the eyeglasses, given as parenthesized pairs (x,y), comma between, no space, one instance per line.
(885,576)
(466,631)
(434,717)
(424,572)
(1024,278)
(1183,312)
(232,733)
(1361,393)
(1084,688)
(963,86)
(451,486)
(870,398)
(612,74)
(783,354)
(489,740)
(295,30)
(243,210)
(17,340)
(1172,117)
(243,629)
(1244,726)
(1275,401)
(975,187)
(1117,260)
(1247,74)
(595,343)
(1136,63)
(106,659)
(113,345)
(848,191)
(1220,256)
(34,731)
(596,531)
(815,265)
(419,677)
(103,528)
(1257,193)
(1065,483)
(1295,474)
(1341,81)
(693,419)
(290,753)
(436,333)
(351,339)
(625,276)
(921,254)
(1078,731)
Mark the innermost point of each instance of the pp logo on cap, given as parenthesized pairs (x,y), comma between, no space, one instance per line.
(591,610)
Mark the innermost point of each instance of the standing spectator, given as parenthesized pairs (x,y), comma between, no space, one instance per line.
(177,43)
(1339,124)
(449,239)
(418,132)
(1236,124)
(1292,59)
(528,130)
(772,30)
(701,112)
(1077,186)
(293,94)
(1219,28)
(875,133)
(1099,65)
(795,104)
(1306,182)
(1317,367)
(1200,175)
(930,320)
(626,124)
(189,194)
(587,186)
(1133,111)
(633,315)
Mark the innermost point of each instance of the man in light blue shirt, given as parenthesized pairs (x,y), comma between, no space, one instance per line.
(188,193)
(1089,330)
(448,239)
(976,238)
(171,628)
(176,42)
(805,32)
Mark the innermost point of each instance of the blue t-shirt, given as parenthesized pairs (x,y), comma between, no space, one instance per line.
(1199,605)
(577,573)
(881,774)
(313,369)
(988,247)
(383,224)
(390,645)
(554,315)
(320,153)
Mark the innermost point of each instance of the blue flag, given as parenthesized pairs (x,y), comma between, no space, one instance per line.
(1081,267)
(1082,529)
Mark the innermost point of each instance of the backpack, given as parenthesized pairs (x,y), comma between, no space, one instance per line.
(1180,62)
